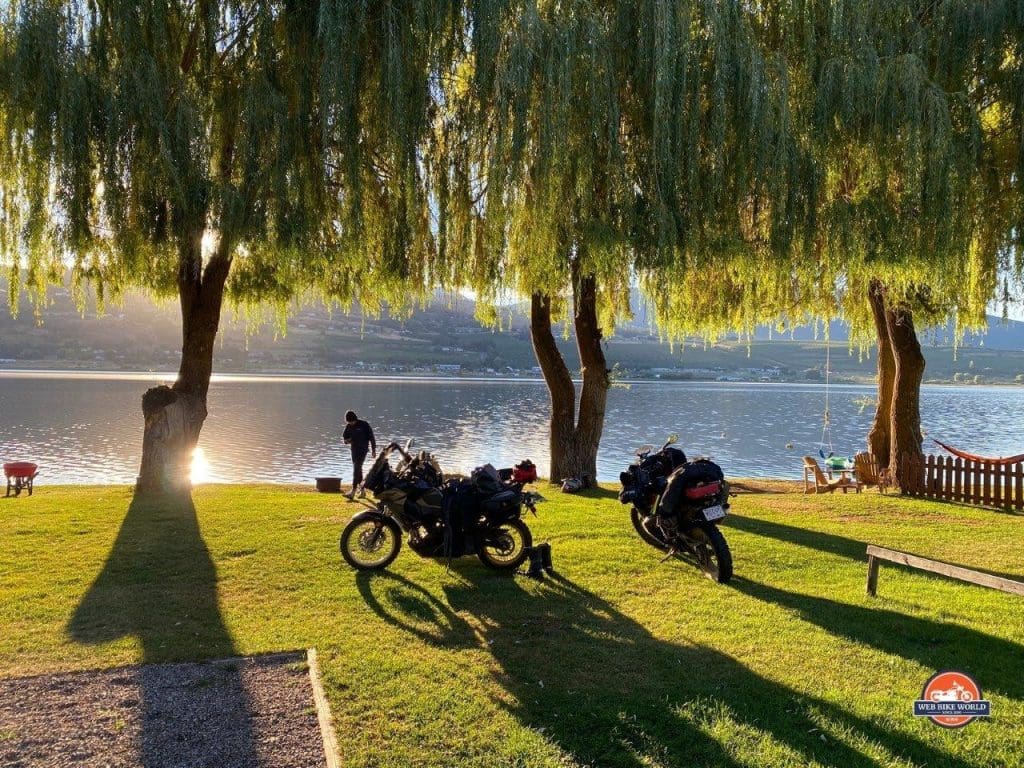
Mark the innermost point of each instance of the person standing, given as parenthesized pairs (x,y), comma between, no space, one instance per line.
(358,435)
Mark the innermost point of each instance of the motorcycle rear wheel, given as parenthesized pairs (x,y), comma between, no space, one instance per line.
(712,552)
(504,547)
(648,529)
(371,543)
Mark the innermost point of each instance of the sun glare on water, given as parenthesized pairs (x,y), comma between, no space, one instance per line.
(200,471)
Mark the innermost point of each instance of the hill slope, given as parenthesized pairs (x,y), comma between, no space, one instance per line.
(445,338)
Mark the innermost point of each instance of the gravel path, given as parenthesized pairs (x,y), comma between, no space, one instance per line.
(238,713)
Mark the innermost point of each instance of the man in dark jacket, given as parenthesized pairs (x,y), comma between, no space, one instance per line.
(358,435)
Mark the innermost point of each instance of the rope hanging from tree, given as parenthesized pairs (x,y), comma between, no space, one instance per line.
(826,419)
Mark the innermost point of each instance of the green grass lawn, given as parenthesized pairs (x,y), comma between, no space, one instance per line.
(620,661)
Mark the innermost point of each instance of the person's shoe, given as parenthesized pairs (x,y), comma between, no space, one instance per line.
(362,493)
(351,495)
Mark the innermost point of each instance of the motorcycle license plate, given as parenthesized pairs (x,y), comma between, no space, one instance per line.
(714,513)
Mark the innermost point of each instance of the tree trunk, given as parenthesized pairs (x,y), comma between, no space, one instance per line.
(574,439)
(174,415)
(880,435)
(905,454)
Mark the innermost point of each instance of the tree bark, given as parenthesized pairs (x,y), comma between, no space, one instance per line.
(880,434)
(574,438)
(905,454)
(174,415)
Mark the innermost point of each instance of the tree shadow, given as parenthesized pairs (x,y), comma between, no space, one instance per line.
(159,585)
(830,543)
(609,693)
(997,664)
(804,537)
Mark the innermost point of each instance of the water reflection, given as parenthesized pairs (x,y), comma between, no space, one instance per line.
(89,429)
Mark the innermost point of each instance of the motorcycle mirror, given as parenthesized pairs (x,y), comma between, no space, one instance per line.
(673,438)
(643,450)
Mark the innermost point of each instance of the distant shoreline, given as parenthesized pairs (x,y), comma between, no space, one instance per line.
(475,378)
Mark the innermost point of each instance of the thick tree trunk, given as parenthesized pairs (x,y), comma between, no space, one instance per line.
(880,435)
(905,454)
(561,389)
(596,383)
(574,439)
(174,415)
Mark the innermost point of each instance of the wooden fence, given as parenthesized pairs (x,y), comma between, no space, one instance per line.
(877,554)
(951,478)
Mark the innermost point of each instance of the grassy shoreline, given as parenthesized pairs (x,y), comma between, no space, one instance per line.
(621,661)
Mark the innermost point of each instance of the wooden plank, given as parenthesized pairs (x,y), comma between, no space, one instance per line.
(946,569)
(947,479)
(997,485)
(1018,487)
(986,475)
(958,477)
(872,574)
(323,711)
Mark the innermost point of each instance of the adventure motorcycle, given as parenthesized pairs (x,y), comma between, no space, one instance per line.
(477,515)
(677,505)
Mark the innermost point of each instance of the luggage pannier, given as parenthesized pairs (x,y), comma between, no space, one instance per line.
(697,474)
(501,507)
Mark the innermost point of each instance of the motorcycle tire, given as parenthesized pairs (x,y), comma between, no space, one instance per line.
(366,536)
(500,557)
(648,530)
(712,552)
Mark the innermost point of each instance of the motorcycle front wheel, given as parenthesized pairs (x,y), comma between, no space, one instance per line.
(712,552)
(504,546)
(371,543)
(648,529)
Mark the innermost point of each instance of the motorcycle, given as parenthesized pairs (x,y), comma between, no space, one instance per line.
(676,506)
(442,518)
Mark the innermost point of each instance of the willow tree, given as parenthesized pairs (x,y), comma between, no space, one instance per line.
(910,114)
(248,151)
(607,138)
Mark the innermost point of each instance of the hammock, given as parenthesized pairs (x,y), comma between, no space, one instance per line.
(975,457)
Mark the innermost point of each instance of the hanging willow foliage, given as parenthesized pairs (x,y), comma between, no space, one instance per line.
(746,162)
(285,136)
(909,115)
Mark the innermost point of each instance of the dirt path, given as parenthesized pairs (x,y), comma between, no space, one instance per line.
(237,713)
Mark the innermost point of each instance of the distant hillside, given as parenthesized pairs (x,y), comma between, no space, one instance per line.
(445,338)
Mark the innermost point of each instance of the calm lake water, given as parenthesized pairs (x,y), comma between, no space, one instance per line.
(83,428)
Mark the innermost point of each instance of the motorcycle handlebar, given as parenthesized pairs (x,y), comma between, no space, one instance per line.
(394,446)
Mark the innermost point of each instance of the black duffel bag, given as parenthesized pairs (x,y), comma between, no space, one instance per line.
(689,475)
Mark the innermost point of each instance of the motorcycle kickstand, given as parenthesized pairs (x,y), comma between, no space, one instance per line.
(671,553)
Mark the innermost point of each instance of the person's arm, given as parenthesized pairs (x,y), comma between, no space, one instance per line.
(373,440)
(347,435)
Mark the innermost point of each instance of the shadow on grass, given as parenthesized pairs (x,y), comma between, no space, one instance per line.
(791,534)
(159,585)
(833,544)
(997,664)
(609,693)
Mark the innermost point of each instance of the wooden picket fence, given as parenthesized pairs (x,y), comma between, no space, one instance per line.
(949,478)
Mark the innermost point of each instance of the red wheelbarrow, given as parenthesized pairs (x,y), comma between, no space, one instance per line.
(20,475)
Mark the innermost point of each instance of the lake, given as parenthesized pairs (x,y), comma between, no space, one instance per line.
(87,428)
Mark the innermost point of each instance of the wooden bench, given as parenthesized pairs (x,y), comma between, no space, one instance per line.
(877,554)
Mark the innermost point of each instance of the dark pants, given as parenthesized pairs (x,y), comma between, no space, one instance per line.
(358,457)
